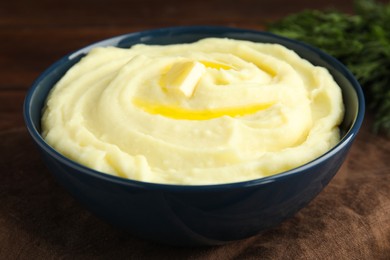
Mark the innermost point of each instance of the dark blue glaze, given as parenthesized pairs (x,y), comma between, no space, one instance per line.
(206,214)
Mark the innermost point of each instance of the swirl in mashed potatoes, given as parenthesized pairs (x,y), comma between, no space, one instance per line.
(209,112)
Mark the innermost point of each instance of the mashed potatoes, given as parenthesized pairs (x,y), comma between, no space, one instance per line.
(214,111)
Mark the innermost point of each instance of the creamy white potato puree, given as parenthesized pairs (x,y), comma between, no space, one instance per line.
(214,111)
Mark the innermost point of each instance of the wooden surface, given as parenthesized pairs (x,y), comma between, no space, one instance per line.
(34,34)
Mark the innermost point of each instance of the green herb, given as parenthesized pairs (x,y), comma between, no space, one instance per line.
(361,41)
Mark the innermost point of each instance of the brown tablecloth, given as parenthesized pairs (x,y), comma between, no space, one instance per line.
(350,219)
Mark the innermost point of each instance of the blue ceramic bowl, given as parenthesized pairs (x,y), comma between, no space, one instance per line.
(197,215)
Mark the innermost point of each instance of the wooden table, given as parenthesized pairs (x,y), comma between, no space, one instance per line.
(350,219)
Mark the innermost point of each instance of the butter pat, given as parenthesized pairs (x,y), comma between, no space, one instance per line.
(183,77)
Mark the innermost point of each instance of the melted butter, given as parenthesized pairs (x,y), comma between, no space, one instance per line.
(262,66)
(215,65)
(200,114)
(267,69)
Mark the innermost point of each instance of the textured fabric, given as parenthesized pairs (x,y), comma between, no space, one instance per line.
(350,219)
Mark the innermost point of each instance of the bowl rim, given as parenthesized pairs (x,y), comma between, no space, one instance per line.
(346,139)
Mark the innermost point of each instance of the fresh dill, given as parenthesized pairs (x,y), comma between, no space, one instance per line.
(360,40)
